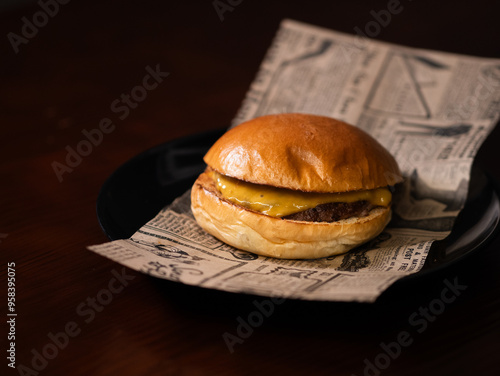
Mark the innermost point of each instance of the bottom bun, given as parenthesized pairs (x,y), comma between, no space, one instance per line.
(275,237)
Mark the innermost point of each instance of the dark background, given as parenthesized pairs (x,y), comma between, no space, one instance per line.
(63,81)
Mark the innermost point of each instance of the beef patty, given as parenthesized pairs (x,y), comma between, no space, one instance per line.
(332,212)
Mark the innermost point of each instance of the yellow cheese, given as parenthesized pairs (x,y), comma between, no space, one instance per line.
(280,202)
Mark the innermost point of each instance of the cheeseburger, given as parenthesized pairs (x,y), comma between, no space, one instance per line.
(295,186)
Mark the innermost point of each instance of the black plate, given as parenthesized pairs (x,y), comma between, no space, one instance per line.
(140,188)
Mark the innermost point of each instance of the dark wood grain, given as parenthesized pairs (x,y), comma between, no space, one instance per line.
(64,80)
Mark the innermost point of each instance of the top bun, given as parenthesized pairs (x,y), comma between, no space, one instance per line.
(303,152)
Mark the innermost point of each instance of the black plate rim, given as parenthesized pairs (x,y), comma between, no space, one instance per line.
(104,222)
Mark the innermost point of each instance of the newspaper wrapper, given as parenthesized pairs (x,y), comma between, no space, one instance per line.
(431,110)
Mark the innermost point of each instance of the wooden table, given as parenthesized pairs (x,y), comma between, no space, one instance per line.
(81,314)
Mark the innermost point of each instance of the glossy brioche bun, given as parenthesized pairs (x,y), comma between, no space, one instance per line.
(275,237)
(303,152)
(296,151)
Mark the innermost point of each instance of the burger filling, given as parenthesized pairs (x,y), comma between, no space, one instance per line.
(297,205)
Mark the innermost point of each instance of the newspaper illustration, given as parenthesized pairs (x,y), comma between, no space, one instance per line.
(431,110)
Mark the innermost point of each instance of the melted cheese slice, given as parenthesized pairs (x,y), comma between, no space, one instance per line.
(280,202)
